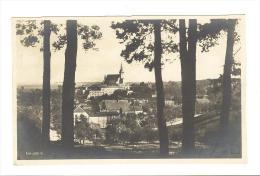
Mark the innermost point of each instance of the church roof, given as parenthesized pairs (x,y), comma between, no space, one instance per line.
(111,78)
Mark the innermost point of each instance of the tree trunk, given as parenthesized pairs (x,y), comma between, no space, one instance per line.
(46,83)
(69,84)
(226,100)
(188,74)
(163,133)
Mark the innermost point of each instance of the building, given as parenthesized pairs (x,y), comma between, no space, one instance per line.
(95,93)
(78,113)
(111,83)
(136,109)
(98,119)
(102,119)
(115,79)
(120,106)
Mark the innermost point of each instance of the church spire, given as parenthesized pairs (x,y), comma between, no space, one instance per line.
(121,71)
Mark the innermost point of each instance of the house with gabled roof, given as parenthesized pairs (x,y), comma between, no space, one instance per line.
(100,119)
(78,113)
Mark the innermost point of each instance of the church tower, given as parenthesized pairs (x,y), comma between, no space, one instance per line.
(121,74)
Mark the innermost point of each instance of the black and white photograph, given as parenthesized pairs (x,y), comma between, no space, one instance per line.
(136,87)
(129,87)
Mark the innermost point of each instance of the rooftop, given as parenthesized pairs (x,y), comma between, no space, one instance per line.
(115,105)
(111,79)
(78,109)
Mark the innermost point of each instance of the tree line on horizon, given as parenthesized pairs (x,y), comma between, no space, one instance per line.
(143,43)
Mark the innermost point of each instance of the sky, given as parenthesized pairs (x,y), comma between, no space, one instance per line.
(92,65)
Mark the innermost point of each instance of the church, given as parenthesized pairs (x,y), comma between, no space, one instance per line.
(115,79)
(111,83)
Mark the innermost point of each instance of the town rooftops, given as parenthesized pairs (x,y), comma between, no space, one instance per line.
(99,114)
(80,109)
(116,105)
(83,109)
(136,108)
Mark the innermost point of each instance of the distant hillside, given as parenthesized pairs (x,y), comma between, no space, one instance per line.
(200,83)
